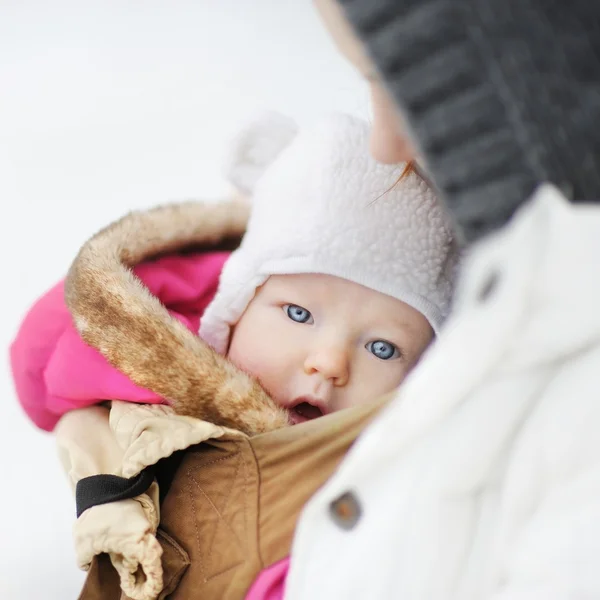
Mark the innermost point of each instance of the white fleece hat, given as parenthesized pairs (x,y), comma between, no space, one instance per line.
(321,204)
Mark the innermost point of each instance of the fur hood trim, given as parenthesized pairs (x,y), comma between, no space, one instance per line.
(116,314)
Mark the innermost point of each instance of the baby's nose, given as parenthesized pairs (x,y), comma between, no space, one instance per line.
(331,362)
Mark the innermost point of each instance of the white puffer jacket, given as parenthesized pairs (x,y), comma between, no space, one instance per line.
(482,480)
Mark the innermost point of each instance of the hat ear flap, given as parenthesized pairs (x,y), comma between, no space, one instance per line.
(255,147)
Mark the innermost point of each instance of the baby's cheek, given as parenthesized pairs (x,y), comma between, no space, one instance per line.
(396,379)
(387,380)
(258,366)
(246,359)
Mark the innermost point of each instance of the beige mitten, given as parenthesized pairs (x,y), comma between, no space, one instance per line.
(123,441)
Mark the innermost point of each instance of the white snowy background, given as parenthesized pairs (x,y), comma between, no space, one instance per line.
(108,106)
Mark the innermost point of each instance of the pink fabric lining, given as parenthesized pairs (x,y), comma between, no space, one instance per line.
(54,371)
(270,583)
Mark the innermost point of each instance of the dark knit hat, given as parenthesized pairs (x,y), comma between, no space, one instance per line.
(500,95)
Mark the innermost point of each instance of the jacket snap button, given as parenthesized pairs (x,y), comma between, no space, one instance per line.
(345,511)
(489,286)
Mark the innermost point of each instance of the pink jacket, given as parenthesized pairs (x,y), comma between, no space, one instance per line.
(54,371)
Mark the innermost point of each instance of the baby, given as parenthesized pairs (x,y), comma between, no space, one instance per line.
(343,277)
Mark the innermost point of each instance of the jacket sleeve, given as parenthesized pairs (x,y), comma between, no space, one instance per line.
(55,371)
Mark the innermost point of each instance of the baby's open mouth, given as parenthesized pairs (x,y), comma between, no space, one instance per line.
(305,411)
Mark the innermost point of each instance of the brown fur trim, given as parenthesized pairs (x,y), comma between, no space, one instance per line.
(117,315)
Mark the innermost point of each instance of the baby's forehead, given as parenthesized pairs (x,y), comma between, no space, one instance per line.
(294,280)
(310,283)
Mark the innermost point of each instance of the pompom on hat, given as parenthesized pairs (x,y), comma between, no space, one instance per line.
(321,204)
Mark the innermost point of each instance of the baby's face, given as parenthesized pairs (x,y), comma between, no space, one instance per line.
(318,343)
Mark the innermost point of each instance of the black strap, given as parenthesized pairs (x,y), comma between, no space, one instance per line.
(102,489)
(165,470)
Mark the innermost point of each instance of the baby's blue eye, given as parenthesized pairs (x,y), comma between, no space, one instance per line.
(383,350)
(297,313)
